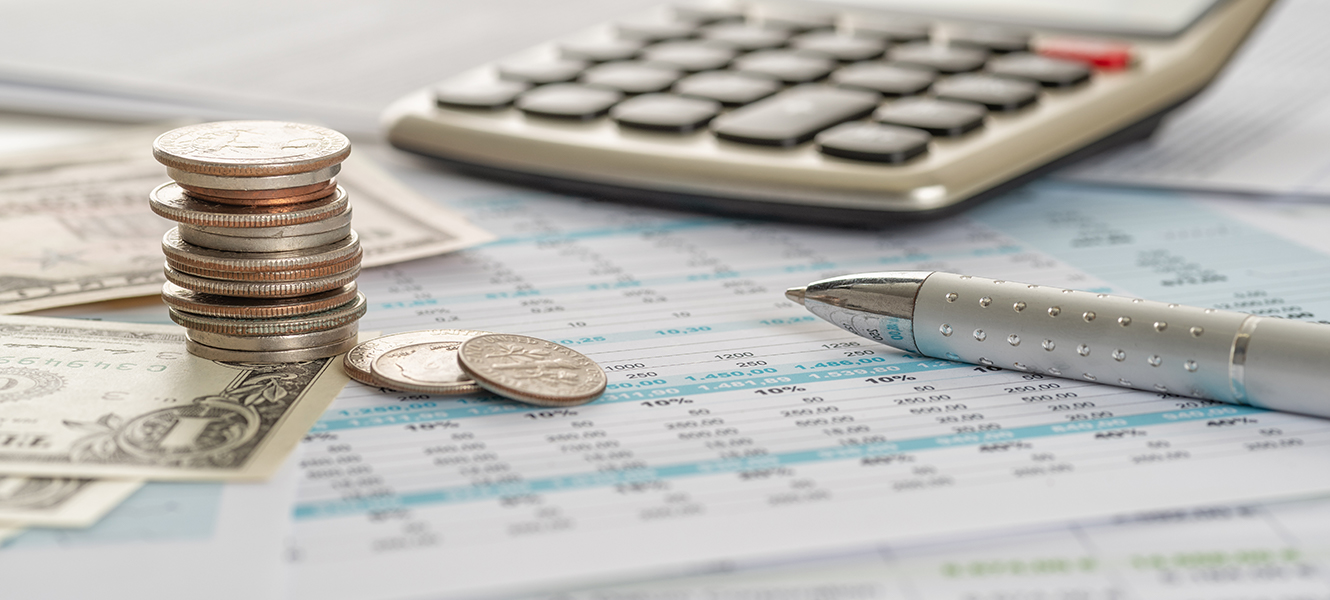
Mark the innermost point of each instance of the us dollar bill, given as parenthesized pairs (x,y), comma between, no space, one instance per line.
(59,501)
(77,227)
(117,400)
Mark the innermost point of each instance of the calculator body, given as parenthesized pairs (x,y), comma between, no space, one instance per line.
(828,143)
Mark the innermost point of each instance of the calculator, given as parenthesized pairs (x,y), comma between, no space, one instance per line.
(865,112)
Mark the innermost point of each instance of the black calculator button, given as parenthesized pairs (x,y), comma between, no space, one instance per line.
(656,31)
(746,37)
(704,14)
(690,55)
(601,50)
(996,93)
(786,65)
(938,117)
(873,141)
(542,71)
(727,87)
(795,22)
(1049,72)
(478,94)
(840,47)
(947,59)
(884,78)
(991,38)
(898,31)
(631,77)
(568,101)
(793,116)
(665,112)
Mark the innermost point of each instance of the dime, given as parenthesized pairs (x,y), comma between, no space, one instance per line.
(532,370)
(171,202)
(275,356)
(250,148)
(281,326)
(254,308)
(429,368)
(276,182)
(359,362)
(244,196)
(180,251)
(259,289)
(329,270)
(198,237)
(272,343)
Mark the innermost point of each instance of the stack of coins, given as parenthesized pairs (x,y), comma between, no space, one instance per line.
(460,361)
(263,263)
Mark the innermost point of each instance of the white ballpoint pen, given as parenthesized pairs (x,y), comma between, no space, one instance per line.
(1233,357)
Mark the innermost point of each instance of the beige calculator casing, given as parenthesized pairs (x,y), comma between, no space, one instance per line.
(698,170)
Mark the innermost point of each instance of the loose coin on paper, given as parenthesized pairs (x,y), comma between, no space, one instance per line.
(60,501)
(531,369)
(359,362)
(429,368)
(95,399)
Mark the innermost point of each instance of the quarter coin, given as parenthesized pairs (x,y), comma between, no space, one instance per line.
(328,223)
(170,201)
(321,321)
(313,190)
(273,343)
(198,237)
(359,361)
(180,251)
(259,289)
(429,368)
(275,356)
(532,370)
(250,148)
(211,305)
(328,270)
(275,182)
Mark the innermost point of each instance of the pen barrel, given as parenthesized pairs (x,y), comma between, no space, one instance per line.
(1153,346)
(1287,366)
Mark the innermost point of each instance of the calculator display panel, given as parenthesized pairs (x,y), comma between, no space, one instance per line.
(1133,17)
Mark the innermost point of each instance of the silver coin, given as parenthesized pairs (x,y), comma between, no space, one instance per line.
(209,305)
(250,148)
(259,289)
(181,251)
(278,356)
(273,343)
(330,222)
(277,326)
(242,184)
(170,201)
(331,270)
(193,235)
(359,361)
(532,370)
(429,368)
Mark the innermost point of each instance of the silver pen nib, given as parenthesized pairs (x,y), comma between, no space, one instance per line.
(796,294)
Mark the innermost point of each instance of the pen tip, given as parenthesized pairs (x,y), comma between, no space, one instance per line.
(795,294)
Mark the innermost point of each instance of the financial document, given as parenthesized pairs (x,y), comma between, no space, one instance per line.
(739,427)
(1262,127)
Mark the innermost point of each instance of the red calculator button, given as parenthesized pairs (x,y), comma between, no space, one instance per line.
(1100,54)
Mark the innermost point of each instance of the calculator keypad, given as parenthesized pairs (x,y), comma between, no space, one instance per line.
(783,79)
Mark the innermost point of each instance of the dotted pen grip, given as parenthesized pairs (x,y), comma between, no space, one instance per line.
(1154,346)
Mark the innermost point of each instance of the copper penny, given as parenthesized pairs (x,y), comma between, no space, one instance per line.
(279,201)
(325,187)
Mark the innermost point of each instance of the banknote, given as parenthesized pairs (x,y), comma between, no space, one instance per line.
(77,228)
(95,399)
(59,501)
